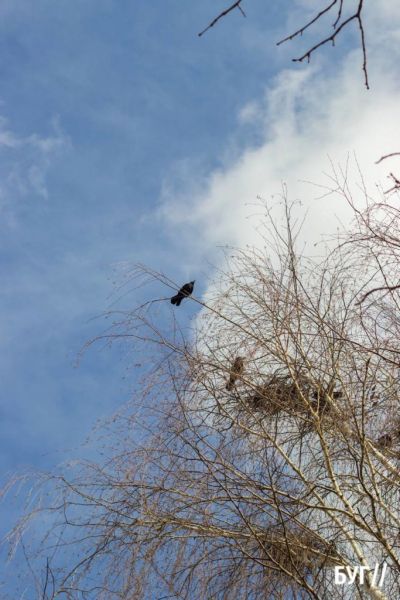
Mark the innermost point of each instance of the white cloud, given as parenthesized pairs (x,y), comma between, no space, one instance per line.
(309,115)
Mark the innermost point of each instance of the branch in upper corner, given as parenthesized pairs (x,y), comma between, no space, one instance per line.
(314,20)
(364,50)
(223,14)
(331,38)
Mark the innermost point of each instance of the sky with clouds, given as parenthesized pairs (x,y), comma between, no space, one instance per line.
(126,137)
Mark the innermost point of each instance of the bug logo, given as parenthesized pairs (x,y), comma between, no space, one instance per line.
(349,575)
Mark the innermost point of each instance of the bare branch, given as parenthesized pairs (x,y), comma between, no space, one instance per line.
(314,20)
(387,156)
(385,288)
(331,38)
(223,14)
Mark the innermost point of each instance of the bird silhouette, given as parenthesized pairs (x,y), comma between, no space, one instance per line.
(184,292)
(236,371)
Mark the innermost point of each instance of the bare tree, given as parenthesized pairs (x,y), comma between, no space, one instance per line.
(259,490)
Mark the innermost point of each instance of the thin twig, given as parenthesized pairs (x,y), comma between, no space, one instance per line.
(223,14)
(331,38)
(386,288)
(387,156)
(314,20)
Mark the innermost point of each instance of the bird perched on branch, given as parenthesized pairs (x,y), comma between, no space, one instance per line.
(184,292)
(236,371)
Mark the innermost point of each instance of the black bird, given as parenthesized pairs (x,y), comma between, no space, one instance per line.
(236,371)
(184,292)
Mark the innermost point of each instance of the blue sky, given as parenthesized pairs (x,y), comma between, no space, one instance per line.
(100,100)
(126,137)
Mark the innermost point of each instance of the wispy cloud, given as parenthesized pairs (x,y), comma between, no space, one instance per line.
(25,162)
(309,116)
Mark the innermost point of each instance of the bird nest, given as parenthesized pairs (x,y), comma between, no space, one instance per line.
(296,551)
(283,393)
